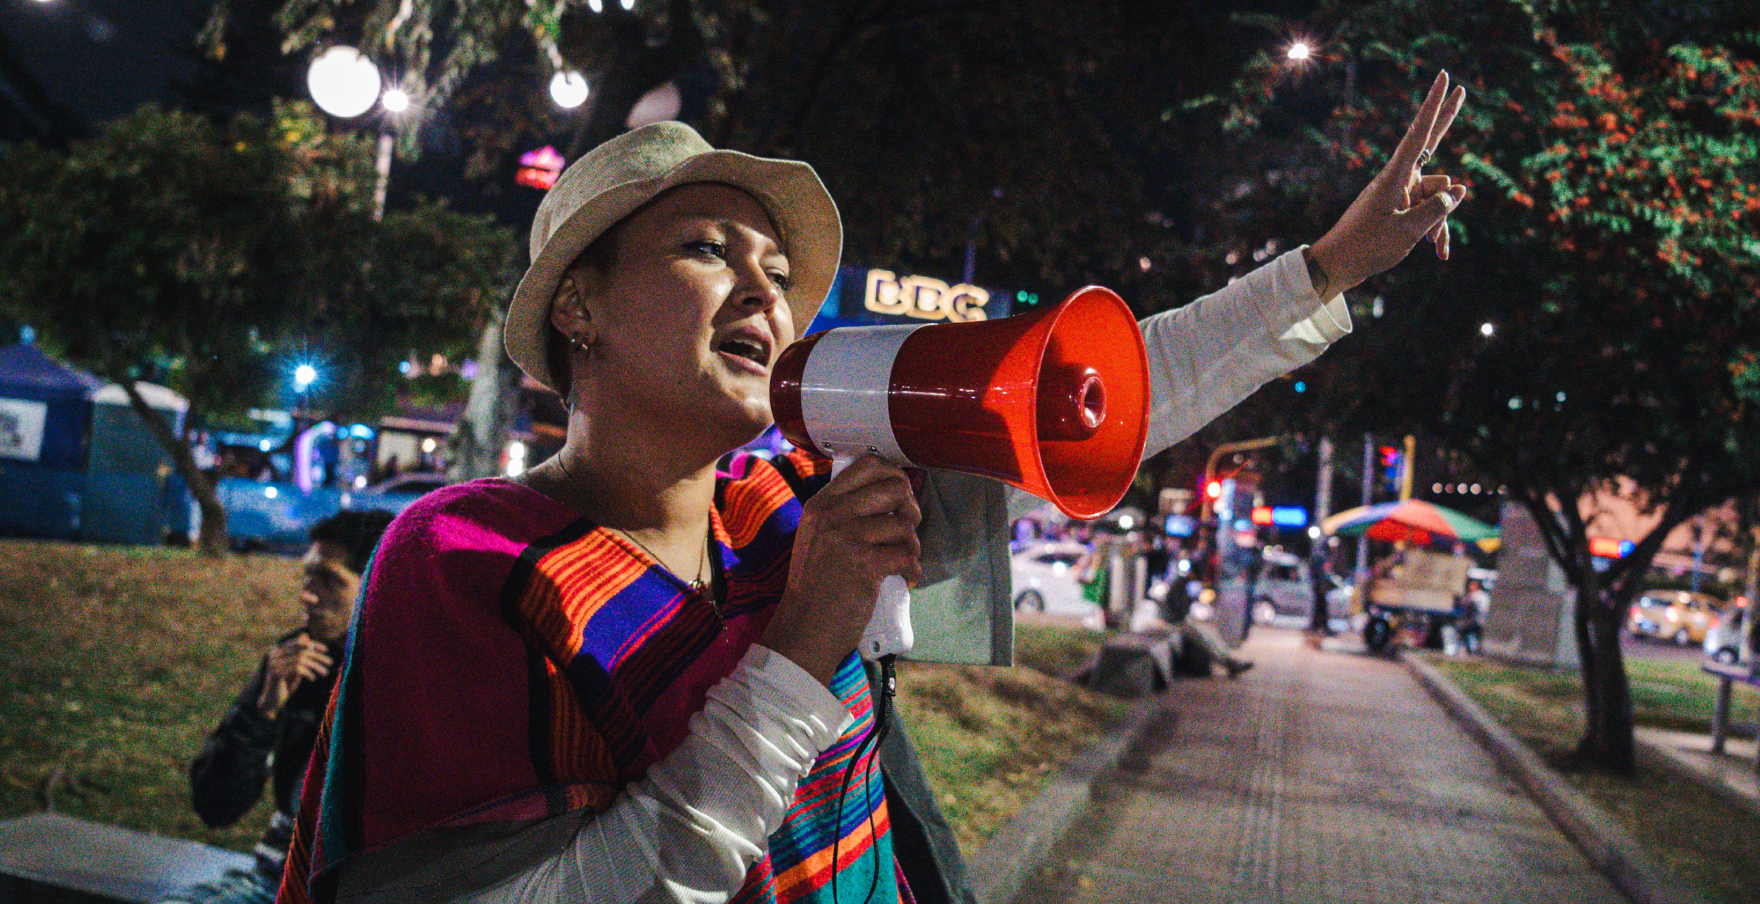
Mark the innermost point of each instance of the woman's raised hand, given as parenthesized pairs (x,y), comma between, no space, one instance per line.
(857,530)
(1400,205)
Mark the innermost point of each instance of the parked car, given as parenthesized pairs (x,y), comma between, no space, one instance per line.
(1679,616)
(278,515)
(1726,640)
(1047,579)
(1644,619)
(1284,589)
(395,494)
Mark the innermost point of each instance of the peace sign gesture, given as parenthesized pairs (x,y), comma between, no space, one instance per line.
(1399,206)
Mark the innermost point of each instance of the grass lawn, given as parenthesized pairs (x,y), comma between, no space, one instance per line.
(990,737)
(1708,840)
(119,660)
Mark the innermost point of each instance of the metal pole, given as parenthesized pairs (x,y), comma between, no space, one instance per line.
(383,166)
(1407,466)
(1323,495)
(1319,617)
(1362,575)
(1210,468)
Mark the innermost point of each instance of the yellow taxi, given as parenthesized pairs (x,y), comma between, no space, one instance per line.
(1679,616)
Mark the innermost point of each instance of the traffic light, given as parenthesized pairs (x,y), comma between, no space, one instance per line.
(1392,460)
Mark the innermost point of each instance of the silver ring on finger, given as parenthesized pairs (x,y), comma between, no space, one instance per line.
(1423,157)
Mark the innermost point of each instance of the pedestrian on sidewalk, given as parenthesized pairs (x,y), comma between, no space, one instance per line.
(629,674)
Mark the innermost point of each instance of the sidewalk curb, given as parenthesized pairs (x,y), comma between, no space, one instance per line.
(1607,845)
(1001,868)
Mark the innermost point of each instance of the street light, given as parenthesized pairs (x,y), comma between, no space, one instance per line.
(1299,52)
(343,82)
(568,89)
(304,376)
(1487,330)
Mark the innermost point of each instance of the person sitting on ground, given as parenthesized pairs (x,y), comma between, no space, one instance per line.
(1203,636)
(269,730)
(1200,645)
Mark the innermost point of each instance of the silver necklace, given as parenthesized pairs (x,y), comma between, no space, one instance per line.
(696,584)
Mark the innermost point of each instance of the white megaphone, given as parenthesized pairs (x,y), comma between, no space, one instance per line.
(1055,402)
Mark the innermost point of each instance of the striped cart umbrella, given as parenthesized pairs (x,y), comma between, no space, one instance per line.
(1412,521)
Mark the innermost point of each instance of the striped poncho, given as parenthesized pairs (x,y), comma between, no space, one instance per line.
(511,660)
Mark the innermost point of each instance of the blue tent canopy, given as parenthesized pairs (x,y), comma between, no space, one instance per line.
(75,461)
(45,407)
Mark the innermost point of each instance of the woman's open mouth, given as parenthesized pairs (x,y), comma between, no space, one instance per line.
(746,354)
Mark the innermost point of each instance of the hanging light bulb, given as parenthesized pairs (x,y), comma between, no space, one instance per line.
(343,82)
(569,89)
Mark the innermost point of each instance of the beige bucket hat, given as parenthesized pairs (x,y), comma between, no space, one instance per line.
(621,175)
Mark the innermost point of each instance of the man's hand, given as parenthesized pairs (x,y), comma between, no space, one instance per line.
(1400,205)
(289,664)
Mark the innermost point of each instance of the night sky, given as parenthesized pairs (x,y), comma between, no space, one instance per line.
(99,59)
(102,58)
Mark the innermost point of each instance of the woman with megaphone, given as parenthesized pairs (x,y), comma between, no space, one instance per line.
(628,675)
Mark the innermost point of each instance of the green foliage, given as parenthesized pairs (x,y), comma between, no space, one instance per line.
(1053,139)
(1612,151)
(147,253)
(1612,158)
(208,257)
(424,284)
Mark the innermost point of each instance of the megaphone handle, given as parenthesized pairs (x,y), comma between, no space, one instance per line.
(889,629)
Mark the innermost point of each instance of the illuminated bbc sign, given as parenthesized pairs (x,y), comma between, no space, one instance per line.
(923,298)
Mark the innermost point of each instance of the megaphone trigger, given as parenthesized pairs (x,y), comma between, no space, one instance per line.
(889,628)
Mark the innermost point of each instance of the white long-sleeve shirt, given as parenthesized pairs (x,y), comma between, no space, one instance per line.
(692,827)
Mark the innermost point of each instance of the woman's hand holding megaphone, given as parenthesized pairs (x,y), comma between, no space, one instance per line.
(1400,205)
(857,530)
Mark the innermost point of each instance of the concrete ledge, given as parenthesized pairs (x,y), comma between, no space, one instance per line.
(1603,840)
(50,857)
(1730,774)
(1001,868)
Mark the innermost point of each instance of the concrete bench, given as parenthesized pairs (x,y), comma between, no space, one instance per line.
(1728,674)
(47,858)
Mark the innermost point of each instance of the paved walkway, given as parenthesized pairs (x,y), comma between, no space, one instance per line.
(1318,776)
(1734,769)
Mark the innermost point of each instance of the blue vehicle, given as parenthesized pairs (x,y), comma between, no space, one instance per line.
(279,515)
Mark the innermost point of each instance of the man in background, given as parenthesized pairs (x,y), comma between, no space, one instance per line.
(268,732)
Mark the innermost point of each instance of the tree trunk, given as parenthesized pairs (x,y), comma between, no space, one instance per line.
(1588,656)
(213,535)
(1608,731)
(478,437)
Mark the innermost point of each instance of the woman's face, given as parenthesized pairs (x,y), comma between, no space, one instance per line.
(691,314)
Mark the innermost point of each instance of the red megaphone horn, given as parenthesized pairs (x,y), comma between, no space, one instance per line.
(1054,402)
